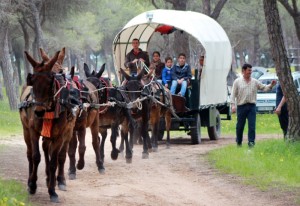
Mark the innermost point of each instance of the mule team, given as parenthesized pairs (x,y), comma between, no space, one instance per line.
(59,108)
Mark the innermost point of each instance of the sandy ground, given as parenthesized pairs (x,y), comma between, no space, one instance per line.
(180,175)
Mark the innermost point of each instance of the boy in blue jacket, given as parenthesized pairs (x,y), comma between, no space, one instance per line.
(181,74)
(167,72)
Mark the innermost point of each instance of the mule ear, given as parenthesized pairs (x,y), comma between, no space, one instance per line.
(31,60)
(29,79)
(44,55)
(141,74)
(86,70)
(126,76)
(51,63)
(93,73)
(61,56)
(99,74)
(72,72)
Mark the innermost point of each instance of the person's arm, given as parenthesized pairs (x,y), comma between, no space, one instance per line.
(233,96)
(188,73)
(265,87)
(127,61)
(164,74)
(174,76)
(282,102)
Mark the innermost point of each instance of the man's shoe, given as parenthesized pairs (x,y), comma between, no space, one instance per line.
(251,144)
(179,94)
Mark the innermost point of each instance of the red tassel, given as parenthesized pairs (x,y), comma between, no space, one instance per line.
(47,124)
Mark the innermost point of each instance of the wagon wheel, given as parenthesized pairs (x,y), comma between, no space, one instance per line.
(195,130)
(214,132)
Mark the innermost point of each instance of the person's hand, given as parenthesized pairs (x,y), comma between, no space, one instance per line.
(233,108)
(273,83)
(278,110)
(180,80)
(135,60)
(141,60)
(166,85)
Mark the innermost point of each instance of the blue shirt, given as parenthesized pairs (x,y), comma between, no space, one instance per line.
(166,75)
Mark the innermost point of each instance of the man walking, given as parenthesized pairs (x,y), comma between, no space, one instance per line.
(244,96)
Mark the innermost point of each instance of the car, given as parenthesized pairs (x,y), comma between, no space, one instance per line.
(257,72)
(266,101)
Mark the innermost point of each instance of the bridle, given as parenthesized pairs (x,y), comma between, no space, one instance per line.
(54,89)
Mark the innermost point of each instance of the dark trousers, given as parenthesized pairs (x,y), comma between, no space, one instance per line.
(246,111)
(284,119)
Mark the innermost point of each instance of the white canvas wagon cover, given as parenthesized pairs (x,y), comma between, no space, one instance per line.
(218,53)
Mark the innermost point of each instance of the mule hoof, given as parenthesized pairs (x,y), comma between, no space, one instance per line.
(101,170)
(54,199)
(72,176)
(114,154)
(145,156)
(80,164)
(129,160)
(62,187)
(32,188)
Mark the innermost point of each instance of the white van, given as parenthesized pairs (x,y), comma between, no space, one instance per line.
(266,101)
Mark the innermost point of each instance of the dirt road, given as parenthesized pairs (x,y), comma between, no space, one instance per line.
(176,176)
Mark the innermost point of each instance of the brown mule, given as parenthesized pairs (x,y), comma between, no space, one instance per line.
(45,111)
(88,118)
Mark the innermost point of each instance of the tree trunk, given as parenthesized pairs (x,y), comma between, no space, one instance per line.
(37,26)
(80,65)
(283,68)
(27,67)
(7,68)
(181,38)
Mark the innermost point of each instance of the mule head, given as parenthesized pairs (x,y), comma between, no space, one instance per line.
(57,67)
(42,82)
(99,74)
(87,71)
(134,85)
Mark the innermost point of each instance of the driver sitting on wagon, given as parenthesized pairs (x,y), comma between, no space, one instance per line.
(181,75)
(135,55)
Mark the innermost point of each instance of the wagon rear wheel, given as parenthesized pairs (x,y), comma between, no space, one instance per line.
(214,132)
(195,130)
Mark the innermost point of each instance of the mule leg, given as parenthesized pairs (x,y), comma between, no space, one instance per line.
(154,121)
(124,135)
(114,134)
(45,146)
(62,154)
(72,156)
(96,145)
(121,147)
(103,132)
(53,153)
(145,125)
(36,159)
(81,148)
(168,120)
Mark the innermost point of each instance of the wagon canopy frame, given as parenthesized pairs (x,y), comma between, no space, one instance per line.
(218,52)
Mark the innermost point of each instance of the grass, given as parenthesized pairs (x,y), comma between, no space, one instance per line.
(270,163)
(13,193)
(10,123)
(265,124)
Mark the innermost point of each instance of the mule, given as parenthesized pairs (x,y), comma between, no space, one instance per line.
(138,93)
(46,111)
(110,117)
(88,118)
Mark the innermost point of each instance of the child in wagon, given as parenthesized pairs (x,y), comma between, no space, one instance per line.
(167,72)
